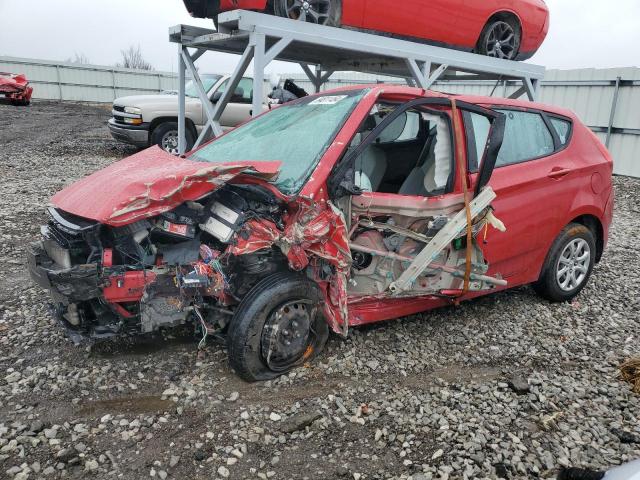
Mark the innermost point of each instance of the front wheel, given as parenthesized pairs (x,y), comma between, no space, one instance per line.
(568,265)
(322,12)
(277,326)
(165,136)
(500,38)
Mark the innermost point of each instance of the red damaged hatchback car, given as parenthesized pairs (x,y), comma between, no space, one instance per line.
(335,210)
(509,29)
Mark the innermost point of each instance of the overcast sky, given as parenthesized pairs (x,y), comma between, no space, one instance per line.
(584,33)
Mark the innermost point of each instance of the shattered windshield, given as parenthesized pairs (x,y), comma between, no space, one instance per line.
(295,134)
(208,81)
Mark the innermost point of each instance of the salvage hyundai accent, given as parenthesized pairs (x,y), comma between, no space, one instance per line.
(509,29)
(332,211)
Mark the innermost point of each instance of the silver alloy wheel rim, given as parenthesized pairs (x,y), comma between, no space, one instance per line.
(501,41)
(573,265)
(313,11)
(170,142)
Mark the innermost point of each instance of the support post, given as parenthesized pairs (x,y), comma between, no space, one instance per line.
(531,88)
(258,41)
(425,82)
(234,80)
(276,50)
(182,139)
(311,76)
(59,81)
(612,114)
(202,95)
(113,83)
(317,78)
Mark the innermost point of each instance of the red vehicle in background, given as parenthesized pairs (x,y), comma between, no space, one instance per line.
(16,88)
(509,29)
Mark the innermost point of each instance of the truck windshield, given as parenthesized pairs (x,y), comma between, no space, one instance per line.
(208,81)
(295,134)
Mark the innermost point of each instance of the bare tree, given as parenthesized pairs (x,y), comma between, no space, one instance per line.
(132,58)
(79,58)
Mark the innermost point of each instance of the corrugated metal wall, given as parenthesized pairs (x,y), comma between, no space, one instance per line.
(588,92)
(86,83)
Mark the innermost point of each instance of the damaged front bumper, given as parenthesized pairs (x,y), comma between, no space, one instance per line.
(67,285)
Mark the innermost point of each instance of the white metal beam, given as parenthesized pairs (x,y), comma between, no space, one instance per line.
(259,64)
(182,142)
(207,107)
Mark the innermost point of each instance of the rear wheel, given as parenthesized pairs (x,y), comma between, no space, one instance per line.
(277,326)
(568,265)
(322,12)
(165,136)
(500,38)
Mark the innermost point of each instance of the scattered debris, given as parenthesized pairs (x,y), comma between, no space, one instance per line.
(549,422)
(300,422)
(630,372)
(626,436)
(519,385)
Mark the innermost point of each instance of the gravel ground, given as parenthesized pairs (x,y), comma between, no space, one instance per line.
(508,386)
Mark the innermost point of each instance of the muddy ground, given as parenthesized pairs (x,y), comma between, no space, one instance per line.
(508,386)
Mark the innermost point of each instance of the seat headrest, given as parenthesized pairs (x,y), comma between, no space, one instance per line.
(368,124)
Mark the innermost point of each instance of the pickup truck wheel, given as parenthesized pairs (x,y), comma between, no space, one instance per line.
(277,326)
(569,264)
(322,12)
(165,136)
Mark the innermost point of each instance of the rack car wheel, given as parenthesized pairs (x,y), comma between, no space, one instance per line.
(568,265)
(165,136)
(277,326)
(500,38)
(322,12)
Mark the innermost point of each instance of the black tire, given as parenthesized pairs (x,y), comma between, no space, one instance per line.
(162,134)
(248,335)
(549,285)
(329,12)
(500,28)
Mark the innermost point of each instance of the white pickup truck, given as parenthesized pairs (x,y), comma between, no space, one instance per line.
(145,120)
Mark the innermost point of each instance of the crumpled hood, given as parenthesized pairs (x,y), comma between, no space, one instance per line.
(149,183)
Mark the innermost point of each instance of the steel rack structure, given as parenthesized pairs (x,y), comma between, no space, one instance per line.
(321,51)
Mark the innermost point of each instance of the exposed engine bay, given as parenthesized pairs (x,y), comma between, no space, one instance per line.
(195,263)
(161,271)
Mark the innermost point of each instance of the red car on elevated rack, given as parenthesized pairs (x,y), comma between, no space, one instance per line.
(509,29)
(335,210)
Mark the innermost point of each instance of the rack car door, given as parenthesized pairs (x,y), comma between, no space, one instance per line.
(434,20)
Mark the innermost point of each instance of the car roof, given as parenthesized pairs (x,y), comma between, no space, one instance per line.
(402,92)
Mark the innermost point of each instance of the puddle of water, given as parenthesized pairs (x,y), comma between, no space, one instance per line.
(135,405)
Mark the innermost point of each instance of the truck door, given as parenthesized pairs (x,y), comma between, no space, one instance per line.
(239,107)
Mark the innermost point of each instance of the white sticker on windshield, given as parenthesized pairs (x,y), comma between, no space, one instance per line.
(327,100)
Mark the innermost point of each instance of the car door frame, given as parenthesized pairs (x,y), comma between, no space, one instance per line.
(523,259)
(342,181)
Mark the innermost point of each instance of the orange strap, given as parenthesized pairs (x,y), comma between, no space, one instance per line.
(459,135)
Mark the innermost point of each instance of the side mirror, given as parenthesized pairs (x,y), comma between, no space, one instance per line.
(216,97)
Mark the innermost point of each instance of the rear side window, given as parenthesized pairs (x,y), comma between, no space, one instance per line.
(563,129)
(526,137)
